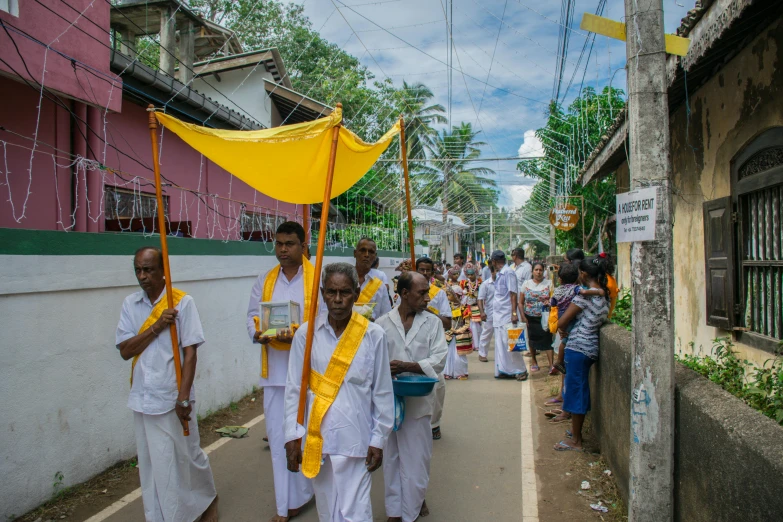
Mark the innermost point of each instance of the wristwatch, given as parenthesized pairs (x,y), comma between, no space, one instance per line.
(184,403)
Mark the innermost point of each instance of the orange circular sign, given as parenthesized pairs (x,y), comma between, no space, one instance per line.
(564,217)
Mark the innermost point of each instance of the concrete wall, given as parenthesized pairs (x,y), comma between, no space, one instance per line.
(728,457)
(741,101)
(245,88)
(63,383)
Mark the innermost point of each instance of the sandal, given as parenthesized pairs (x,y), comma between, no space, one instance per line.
(522,376)
(551,414)
(562,446)
(554,371)
(534,368)
(552,402)
(436,433)
(560,418)
(483,359)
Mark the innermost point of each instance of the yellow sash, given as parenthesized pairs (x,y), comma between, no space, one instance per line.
(433,293)
(369,291)
(326,386)
(269,287)
(157,311)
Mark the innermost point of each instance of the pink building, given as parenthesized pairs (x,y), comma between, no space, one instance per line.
(74,129)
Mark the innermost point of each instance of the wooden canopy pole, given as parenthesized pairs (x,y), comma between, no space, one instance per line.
(319,258)
(404,154)
(164,248)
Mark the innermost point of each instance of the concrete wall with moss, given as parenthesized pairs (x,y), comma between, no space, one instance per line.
(741,101)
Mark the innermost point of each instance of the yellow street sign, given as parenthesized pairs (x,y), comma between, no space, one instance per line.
(598,24)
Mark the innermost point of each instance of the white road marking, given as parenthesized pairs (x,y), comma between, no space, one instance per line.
(529,481)
(135,494)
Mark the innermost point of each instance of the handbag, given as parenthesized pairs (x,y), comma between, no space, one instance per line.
(517,337)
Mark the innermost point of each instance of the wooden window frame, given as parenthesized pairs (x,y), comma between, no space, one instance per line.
(748,175)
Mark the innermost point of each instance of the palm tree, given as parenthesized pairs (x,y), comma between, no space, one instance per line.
(414,103)
(462,188)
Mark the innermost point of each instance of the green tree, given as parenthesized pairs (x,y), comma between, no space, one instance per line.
(568,139)
(450,176)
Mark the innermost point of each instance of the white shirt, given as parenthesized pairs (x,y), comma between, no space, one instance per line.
(487,294)
(441,303)
(505,285)
(284,290)
(524,271)
(362,414)
(380,274)
(380,298)
(486,274)
(425,343)
(154,389)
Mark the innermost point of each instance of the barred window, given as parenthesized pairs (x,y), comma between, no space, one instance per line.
(127,204)
(744,246)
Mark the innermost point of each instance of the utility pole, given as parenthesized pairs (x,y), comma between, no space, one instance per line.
(491,230)
(552,245)
(652,368)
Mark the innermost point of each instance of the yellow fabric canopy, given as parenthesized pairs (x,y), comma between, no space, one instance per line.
(288,163)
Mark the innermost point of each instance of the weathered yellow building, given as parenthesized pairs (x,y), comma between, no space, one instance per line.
(726,124)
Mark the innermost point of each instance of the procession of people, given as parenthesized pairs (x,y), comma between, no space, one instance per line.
(367,334)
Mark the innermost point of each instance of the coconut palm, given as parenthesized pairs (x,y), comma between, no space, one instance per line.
(450,175)
(413,101)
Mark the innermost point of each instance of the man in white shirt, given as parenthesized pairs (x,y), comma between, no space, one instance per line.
(439,305)
(486,273)
(176,479)
(485,298)
(350,402)
(459,261)
(375,271)
(291,280)
(371,288)
(417,345)
(522,268)
(504,311)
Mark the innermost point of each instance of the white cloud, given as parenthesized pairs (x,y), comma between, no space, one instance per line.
(531,145)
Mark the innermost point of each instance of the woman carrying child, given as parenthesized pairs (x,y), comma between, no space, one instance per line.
(588,313)
(533,299)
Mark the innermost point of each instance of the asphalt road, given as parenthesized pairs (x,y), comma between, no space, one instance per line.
(476,472)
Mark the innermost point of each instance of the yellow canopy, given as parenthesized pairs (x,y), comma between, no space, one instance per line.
(288,163)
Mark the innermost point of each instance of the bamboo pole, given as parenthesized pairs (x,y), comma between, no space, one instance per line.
(164,248)
(404,154)
(318,267)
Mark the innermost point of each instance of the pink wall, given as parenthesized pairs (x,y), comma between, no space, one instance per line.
(47,27)
(127,131)
(42,210)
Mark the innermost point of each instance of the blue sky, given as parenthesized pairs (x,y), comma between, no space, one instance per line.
(519,77)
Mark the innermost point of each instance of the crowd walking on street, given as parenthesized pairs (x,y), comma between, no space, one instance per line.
(421,325)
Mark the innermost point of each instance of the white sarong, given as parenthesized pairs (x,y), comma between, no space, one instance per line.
(456,365)
(506,363)
(475,333)
(342,490)
(486,337)
(440,398)
(176,480)
(292,490)
(406,468)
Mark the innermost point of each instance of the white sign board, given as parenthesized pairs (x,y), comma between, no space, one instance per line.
(636,215)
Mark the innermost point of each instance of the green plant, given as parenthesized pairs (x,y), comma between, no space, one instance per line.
(760,388)
(234,406)
(57,485)
(623,309)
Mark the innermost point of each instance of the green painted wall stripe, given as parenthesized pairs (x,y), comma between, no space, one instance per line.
(53,243)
